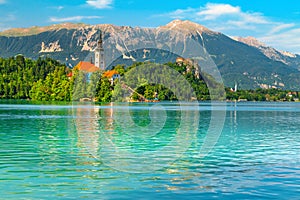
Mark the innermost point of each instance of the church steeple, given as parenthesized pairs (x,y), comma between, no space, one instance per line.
(99,53)
(99,44)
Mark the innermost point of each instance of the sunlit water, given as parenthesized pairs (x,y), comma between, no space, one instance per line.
(149,151)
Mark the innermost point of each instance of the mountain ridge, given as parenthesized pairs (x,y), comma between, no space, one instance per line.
(177,24)
(248,65)
(285,57)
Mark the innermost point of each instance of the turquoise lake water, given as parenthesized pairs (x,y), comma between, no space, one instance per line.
(150,151)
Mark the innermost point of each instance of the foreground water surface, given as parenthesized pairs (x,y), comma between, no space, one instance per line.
(148,151)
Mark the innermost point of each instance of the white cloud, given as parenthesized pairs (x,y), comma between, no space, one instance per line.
(188,13)
(229,13)
(100,4)
(73,18)
(2,1)
(212,11)
(281,27)
(180,13)
(255,18)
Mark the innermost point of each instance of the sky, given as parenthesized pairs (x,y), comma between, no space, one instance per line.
(276,23)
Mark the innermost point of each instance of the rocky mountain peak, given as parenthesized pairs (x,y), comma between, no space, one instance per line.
(251,41)
(185,26)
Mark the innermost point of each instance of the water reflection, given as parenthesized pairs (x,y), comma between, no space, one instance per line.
(108,117)
(143,137)
(87,127)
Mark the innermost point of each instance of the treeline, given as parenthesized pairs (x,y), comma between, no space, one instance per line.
(102,89)
(20,77)
(173,78)
(46,79)
(263,95)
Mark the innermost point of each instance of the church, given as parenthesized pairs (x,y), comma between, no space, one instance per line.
(98,65)
(99,61)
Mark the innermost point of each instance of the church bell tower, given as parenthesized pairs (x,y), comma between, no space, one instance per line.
(99,54)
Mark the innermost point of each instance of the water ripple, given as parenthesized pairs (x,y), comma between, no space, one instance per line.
(43,157)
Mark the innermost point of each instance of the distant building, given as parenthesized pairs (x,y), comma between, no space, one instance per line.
(180,60)
(191,65)
(235,87)
(112,75)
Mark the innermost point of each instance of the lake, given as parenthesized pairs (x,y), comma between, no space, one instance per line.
(150,150)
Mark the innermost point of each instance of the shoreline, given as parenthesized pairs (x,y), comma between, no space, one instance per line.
(24,101)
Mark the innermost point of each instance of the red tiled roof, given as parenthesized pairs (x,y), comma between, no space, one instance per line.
(110,73)
(86,67)
(70,74)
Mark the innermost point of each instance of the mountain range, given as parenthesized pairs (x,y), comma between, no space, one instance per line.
(245,61)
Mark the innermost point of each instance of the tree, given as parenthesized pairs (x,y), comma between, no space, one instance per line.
(104,90)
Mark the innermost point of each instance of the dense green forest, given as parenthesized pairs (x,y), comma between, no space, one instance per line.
(46,79)
(43,79)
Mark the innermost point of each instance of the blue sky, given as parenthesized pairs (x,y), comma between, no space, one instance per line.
(276,23)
